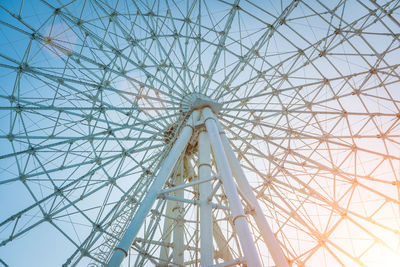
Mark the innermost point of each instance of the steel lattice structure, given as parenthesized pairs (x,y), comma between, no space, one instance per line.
(199,133)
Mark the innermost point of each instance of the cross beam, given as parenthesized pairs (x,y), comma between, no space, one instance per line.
(232,179)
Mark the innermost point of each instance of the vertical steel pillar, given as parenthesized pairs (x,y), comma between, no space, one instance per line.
(166,238)
(178,211)
(246,190)
(206,229)
(239,217)
(121,250)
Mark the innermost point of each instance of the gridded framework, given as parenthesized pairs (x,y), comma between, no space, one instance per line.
(93,93)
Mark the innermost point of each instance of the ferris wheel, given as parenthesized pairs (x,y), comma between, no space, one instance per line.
(199,133)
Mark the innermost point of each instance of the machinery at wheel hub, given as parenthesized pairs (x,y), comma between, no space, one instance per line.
(197,101)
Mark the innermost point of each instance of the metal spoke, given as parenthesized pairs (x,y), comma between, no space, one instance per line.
(200,133)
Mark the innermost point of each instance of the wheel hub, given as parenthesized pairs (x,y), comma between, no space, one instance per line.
(197,101)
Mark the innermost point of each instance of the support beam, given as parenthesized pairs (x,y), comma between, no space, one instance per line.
(185,185)
(178,213)
(193,201)
(166,238)
(239,217)
(206,231)
(221,242)
(230,263)
(246,190)
(121,250)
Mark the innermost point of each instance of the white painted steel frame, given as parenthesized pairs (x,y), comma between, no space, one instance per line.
(239,217)
(60,164)
(248,193)
(228,166)
(121,250)
(206,231)
(178,215)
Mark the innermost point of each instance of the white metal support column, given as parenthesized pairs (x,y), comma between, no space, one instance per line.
(206,231)
(247,192)
(178,211)
(166,239)
(121,250)
(239,217)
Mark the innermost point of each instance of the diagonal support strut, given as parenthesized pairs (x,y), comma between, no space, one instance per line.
(121,250)
(239,217)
